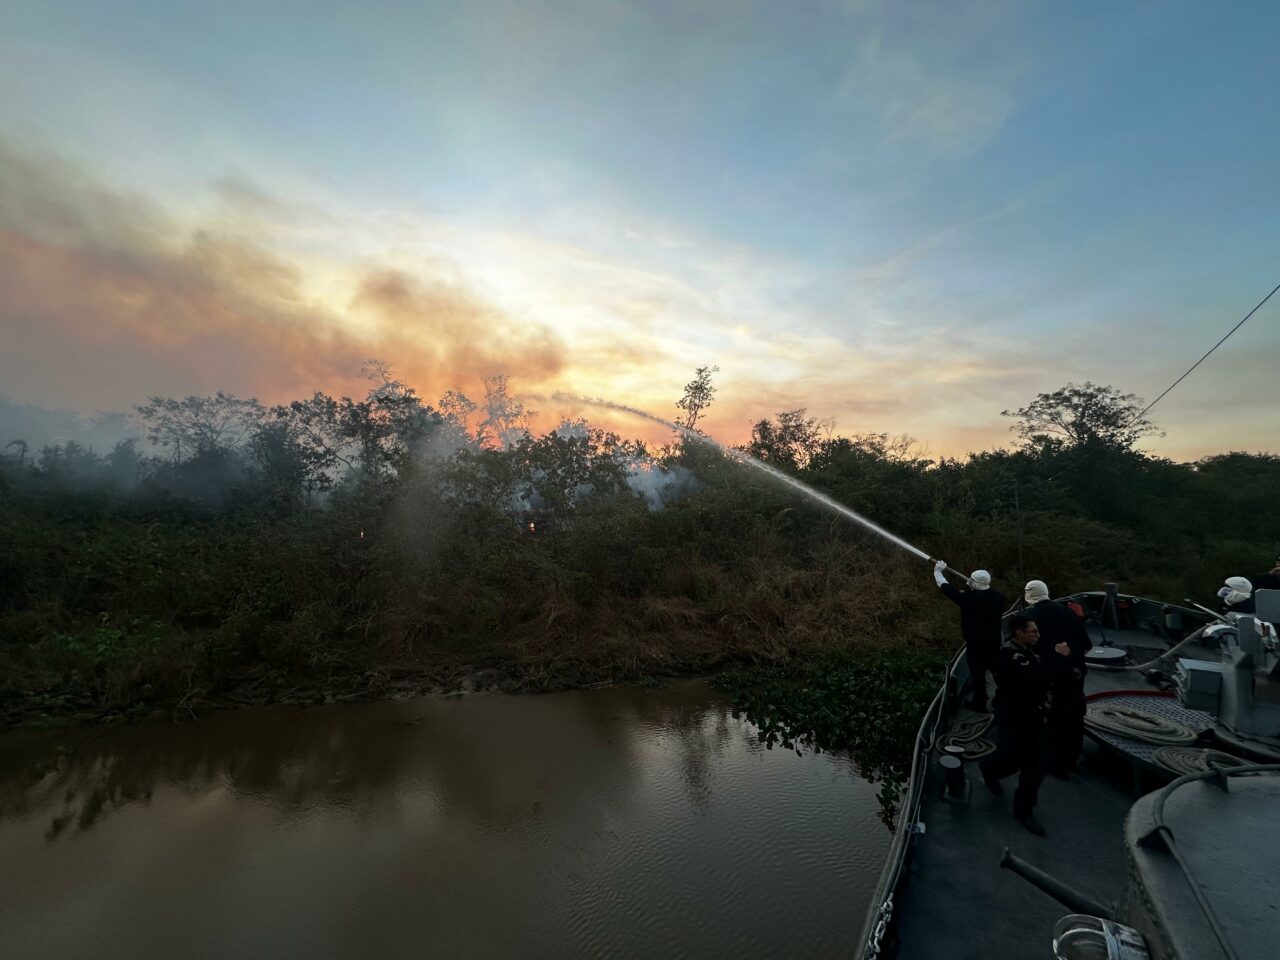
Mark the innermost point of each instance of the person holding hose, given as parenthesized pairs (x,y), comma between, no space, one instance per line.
(980,612)
(1059,625)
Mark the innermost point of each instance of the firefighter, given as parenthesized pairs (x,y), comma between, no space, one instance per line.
(980,610)
(1058,624)
(1022,683)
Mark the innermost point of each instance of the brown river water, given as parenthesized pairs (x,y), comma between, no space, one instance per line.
(617,822)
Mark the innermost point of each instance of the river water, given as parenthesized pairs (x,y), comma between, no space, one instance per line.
(614,823)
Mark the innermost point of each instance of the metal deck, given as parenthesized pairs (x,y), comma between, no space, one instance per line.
(959,904)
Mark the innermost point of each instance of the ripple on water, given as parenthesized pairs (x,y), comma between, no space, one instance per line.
(627,823)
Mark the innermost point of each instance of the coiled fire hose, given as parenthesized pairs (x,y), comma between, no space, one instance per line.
(1185,760)
(1137,725)
(968,735)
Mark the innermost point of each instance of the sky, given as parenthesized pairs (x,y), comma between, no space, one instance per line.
(903,217)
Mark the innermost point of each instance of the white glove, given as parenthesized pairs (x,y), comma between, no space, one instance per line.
(938,576)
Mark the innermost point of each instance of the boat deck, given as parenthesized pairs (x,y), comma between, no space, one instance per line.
(959,904)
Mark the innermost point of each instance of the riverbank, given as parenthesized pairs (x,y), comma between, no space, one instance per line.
(73,702)
(454,574)
(115,617)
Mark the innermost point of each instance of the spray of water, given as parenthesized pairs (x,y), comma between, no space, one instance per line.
(751,461)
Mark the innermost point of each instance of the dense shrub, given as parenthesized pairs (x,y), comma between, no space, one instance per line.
(331,539)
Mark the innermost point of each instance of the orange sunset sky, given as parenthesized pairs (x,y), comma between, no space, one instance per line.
(902,217)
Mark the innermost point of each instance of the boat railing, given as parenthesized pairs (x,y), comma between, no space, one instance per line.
(939,713)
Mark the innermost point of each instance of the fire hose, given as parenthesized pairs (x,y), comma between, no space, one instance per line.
(1185,760)
(968,735)
(1138,725)
(1189,639)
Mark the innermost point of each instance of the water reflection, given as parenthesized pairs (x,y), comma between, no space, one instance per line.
(350,757)
(591,821)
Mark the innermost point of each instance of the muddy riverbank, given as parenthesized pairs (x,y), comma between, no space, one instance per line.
(265,686)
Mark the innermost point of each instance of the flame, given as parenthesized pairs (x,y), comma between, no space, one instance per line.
(531,527)
(361,534)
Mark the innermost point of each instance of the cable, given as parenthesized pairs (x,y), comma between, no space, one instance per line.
(1140,414)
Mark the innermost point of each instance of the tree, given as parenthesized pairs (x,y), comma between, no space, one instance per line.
(70,462)
(1084,416)
(20,447)
(282,466)
(505,418)
(573,461)
(791,439)
(200,424)
(124,463)
(456,408)
(698,394)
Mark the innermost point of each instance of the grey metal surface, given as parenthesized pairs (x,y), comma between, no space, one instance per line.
(960,905)
(1230,840)
(1204,883)
(1268,605)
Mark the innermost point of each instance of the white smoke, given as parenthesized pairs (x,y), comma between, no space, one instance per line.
(39,427)
(660,485)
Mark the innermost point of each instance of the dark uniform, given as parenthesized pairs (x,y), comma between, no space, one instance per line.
(1266,581)
(1066,679)
(980,612)
(1247,605)
(1021,688)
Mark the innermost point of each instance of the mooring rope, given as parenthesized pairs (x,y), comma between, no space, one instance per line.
(1184,760)
(968,734)
(1138,725)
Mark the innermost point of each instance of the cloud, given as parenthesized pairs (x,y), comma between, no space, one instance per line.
(108,298)
(938,74)
(444,331)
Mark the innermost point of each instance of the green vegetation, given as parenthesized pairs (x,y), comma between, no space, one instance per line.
(343,548)
(868,705)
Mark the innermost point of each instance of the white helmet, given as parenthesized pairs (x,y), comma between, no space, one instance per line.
(1236,590)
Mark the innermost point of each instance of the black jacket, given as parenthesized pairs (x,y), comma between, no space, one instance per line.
(1021,683)
(980,612)
(1265,581)
(1059,625)
(1247,605)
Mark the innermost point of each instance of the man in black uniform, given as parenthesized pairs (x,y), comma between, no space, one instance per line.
(1269,580)
(980,612)
(1021,686)
(1237,595)
(1059,625)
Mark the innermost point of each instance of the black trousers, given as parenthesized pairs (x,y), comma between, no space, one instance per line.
(1020,749)
(1066,721)
(979,663)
